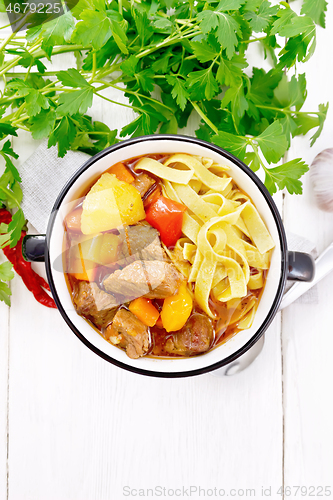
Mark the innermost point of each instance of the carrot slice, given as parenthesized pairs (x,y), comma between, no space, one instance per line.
(144,310)
(121,172)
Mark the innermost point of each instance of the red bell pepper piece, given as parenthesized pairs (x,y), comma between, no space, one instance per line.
(166,216)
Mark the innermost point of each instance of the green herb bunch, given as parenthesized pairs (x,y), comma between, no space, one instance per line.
(193,55)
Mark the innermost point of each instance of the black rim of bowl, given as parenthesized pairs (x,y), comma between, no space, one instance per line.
(283,246)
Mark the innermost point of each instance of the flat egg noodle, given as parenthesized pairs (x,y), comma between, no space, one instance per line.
(240,224)
(236,244)
(169,191)
(220,274)
(256,281)
(189,250)
(194,202)
(197,262)
(202,173)
(212,255)
(257,229)
(247,321)
(255,258)
(224,206)
(164,172)
(190,227)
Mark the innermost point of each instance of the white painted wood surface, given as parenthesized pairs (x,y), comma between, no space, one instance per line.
(73,427)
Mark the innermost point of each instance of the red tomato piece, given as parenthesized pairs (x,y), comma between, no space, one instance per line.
(166,216)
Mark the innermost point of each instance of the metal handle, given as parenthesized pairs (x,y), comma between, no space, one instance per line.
(301,266)
(33,247)
(323,266)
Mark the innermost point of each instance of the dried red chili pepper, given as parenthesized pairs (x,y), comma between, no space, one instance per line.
(34,283)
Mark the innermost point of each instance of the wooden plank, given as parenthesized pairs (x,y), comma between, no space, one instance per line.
(90,429)
(4,334)
(4,356)
(307,328)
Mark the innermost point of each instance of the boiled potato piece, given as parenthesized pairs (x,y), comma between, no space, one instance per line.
(109,204)
(109,248)
(101,248)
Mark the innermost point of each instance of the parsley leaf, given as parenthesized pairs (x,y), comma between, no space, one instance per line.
(145,79)
(235,96)
(232,143)
(6,271)
(144,124)
(6,152)
(262,86)
(251,159)
(291,92)
(296,26)
(58,31)
(286,176)
(35,101)
(15,227)
(261,19)
(323,108)
(42,124)
(5,293)
(7,129)
(284,19)
(202,84)
(230,4)
(119,35)
(94,29)
(230,71)
(142,22)
(316,10)
(179,91)
(63,135)
(128,66)
(75,102)
(205,51)
(72,78)
(226,28)
(273,142)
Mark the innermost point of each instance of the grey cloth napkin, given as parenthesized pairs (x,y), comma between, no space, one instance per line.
(44,174)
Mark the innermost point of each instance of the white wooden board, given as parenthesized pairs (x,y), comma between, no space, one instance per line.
(81,429)
(308,328)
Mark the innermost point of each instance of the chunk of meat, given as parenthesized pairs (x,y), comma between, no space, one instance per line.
(152,279)
(131,281)
(164,279)
(194,338)
(142,183)
(128,332)
(95,304)
(141,242)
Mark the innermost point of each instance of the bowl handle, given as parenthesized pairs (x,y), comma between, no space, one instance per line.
(301,266)
(33,247)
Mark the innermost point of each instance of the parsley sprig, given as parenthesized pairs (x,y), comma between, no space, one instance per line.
(192,55)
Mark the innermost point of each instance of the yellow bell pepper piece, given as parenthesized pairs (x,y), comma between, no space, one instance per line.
(177,309)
